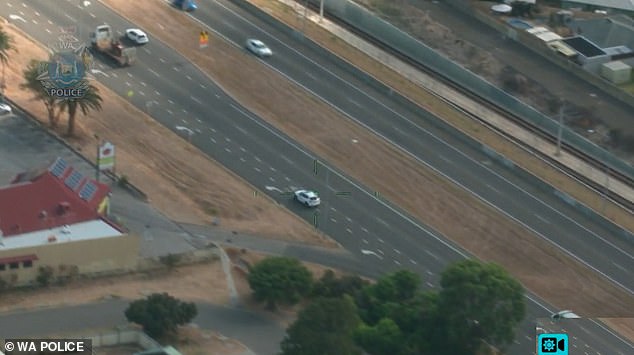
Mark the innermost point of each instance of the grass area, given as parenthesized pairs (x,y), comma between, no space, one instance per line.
(444,111)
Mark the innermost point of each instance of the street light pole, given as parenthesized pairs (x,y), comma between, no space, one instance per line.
(305,17)
(97,165)
(321,10)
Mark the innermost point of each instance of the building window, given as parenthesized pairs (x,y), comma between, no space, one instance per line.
(27,263)
(14,265)
(3,267)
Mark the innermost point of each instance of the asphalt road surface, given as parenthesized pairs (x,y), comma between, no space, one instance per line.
(180,97)
(256,332)
(412,129)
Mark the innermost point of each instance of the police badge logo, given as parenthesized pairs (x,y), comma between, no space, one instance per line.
(67,72)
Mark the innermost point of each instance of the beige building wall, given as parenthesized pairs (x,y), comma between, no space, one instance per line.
(82,257)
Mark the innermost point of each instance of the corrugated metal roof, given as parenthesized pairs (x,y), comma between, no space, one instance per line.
(50,199)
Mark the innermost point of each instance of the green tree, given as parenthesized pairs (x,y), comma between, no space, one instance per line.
(331,286)
(384,338)
(479,302)
(160,314)
(6,45)
(279,280)
(31,83)
(388,295)
(325,326)
(90,101)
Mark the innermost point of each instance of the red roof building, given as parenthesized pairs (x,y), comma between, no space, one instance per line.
(58,196)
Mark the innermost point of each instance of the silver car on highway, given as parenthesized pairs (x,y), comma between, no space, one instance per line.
(258,48)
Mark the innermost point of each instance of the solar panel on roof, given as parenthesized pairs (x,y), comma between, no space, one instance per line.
(58,168)
(74,179)
(88,191)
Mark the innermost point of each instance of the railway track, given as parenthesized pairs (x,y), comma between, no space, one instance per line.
(600,189)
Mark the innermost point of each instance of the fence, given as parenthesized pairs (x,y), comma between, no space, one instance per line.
(384,32)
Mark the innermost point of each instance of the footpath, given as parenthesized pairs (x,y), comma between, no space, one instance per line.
(465,104)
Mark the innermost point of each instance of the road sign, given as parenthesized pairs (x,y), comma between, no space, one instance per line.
(204,39)
(106,158)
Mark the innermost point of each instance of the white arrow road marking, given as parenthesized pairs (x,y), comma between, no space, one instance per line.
(370,252)
(181,128)
(16,17)
(97,71)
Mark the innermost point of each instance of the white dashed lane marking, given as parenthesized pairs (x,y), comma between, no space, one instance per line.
(431,254)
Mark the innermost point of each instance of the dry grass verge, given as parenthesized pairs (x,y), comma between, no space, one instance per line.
(180,181)
(452,211)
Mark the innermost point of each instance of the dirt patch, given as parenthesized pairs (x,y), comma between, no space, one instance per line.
(478,228)
(180,180)
(204,282)
(194,341)
(457,119)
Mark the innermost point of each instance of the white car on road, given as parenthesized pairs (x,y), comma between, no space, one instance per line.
(258,48)
(307,197)
(136,35)
(567,314)
(5,109)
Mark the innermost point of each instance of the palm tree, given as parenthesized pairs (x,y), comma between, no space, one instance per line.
(31,82)
(6,45)
(90,101)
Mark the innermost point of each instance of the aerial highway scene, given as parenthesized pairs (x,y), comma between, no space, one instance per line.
(301,177)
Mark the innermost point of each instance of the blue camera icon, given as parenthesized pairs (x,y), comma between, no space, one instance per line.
(552,344)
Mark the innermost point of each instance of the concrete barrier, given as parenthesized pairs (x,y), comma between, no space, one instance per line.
(438,123)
